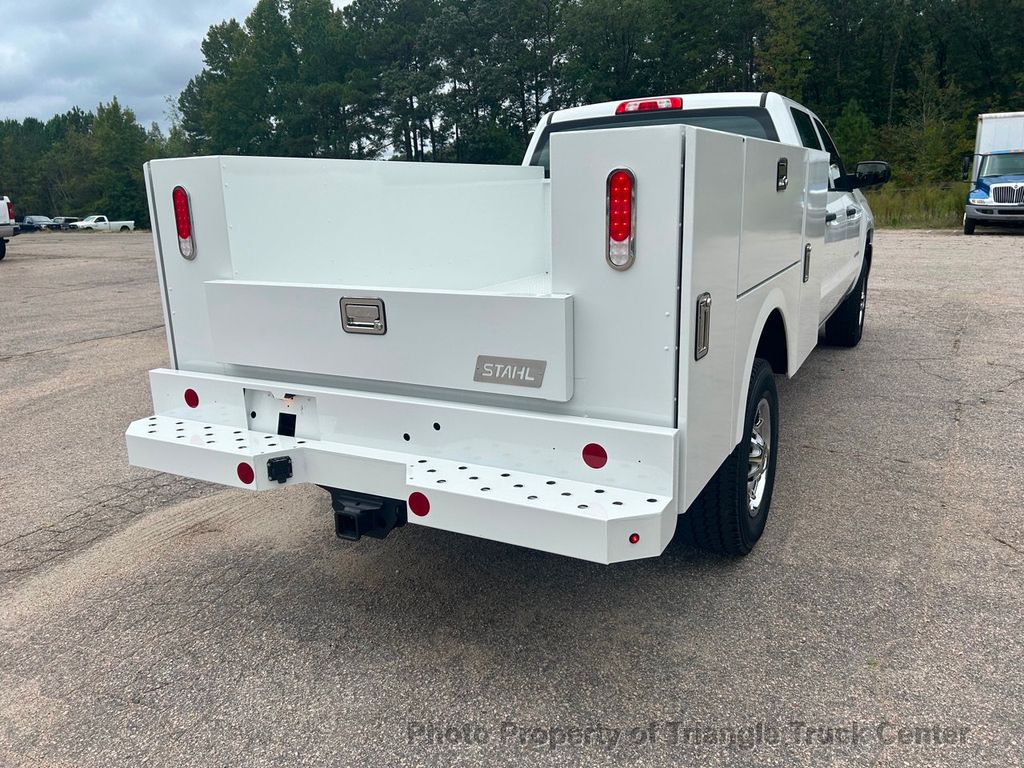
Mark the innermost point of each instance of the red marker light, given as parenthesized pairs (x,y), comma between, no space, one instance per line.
(191,398)
(419,504)
(634,538)
(246,473)
(594,455)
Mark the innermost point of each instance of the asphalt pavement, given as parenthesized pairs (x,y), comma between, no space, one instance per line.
(149,619)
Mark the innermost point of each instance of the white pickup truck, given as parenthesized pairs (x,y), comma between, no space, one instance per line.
(100,223)
(576,355)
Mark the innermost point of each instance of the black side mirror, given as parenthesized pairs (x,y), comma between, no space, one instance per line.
(965,166)
(873,173)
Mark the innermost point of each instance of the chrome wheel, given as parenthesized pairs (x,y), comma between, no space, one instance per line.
(760,455)
(863,301)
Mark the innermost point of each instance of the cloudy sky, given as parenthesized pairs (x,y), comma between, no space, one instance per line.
(56,54)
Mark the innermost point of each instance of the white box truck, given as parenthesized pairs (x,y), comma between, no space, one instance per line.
(996,196)
(576,355)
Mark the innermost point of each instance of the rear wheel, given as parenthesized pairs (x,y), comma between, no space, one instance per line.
(124,229)
(3,248)
(729,515)
(968,225)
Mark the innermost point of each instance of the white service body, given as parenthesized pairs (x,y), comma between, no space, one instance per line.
(510,348)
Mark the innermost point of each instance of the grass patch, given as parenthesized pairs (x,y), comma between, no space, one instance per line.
(933,207)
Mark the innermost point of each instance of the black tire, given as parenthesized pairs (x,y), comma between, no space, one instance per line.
(846,326)
(3,248)
(720,519)
(968,225)
(124,229)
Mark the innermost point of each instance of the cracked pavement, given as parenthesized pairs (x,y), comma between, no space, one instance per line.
(148,619)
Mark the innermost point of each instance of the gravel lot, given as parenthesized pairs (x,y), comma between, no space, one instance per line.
(150,619)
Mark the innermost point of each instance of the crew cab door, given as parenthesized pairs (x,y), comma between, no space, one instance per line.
(830,262)
(102,223)
(846,226)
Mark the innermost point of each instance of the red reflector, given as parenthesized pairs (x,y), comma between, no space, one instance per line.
(419,504)
(634,538)
(183,222)
(594,455)
(191,398)
(246,473)
(649,105)
(10,210)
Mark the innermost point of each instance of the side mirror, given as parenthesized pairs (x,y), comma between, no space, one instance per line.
(872,173)
(965,166)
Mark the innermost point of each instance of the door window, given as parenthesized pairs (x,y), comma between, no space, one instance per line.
(803,126)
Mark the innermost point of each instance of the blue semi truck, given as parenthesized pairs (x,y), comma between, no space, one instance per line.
(996,172)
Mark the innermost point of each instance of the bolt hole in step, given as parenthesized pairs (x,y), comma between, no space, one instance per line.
(474,477)
(485,488)
(463,467)
(431,470)
(566,493)
(599,490)
(551,482)
(652,501)
(531,498)
(518,485)
(437,427)
(252,415)
(406,437)
(505,474)
(422,461)
(617,503)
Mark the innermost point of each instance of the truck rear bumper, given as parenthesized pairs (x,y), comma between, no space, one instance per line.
(623,510)
(7,230)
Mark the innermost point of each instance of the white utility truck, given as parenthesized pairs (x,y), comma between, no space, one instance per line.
(574,355)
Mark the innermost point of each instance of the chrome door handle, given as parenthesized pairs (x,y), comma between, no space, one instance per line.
(851,211)
(830,217)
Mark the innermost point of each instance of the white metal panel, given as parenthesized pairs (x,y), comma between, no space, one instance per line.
(626,322)
(1000,132)
(432,338)
(640,458)
(772,219)
(399,225)
(711,246)
(815,203)
(189,325)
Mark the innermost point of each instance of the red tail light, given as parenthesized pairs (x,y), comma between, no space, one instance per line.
(10,210)
(649,105)
(183,222)
(621,219)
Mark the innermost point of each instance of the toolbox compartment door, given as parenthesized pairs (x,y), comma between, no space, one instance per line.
(516,345)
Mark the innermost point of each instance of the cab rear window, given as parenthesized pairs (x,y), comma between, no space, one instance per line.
(745,121)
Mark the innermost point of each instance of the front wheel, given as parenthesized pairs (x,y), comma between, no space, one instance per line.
(846,326)
(729,515)
(968,225)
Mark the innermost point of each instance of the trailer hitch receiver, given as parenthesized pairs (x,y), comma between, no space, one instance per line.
(357,515)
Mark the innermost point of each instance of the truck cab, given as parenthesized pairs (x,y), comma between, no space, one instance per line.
(996,172)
